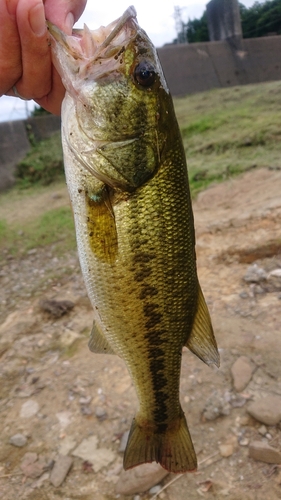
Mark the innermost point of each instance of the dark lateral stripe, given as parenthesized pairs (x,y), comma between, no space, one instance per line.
(155,338)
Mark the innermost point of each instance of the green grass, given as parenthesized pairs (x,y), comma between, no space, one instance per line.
(43,164)
(229,131)
(225,132)
(54,227)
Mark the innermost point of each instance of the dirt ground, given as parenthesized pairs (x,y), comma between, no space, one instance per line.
(56,393)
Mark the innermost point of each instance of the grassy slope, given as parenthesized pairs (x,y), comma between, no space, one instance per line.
(225,132)
(228,131)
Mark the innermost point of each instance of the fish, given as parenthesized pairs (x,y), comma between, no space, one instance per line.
(127,178)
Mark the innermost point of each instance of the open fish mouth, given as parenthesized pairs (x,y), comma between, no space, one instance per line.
(94,53)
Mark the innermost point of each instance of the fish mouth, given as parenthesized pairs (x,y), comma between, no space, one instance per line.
(85,50)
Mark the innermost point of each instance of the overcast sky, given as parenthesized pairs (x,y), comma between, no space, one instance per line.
(156,18)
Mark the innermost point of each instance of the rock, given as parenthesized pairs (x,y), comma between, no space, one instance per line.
(60,470)
(262,430)
(99,457)
(243,441)
(226,450)
(67,444)
(242,371)
(33,465)
(18,440)
(259,450)
(274,280)
(255,274)
(64,418)
(56,308)
(266,410)
(85,400)
(86,410)
(100,413)
(140,478)
(216,406)
(123,442)
(155,489)
(29,409)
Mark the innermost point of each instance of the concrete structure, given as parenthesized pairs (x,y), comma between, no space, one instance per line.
(203,66)
(14,142)
(224,23)
(14,145)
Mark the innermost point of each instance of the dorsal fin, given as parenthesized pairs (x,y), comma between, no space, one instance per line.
(98,342)
(202,341)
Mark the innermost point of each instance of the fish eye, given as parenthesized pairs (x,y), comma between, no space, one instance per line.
(144,74)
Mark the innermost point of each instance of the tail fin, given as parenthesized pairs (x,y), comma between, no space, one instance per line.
(173,448)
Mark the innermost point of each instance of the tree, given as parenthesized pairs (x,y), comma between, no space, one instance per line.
(197,30)
(262,19)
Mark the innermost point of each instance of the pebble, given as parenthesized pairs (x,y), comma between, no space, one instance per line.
(18,440)
(123,442)
(98,457)
(255,274)
(85,400)
(86,410)
(266,410)
(140,479)
(244,441)
(262,451)
(100,413)
(216,406)
(242,371)
(29,409)
(155,489)
(262,430)
(56,308)
(60,470)
(226,450)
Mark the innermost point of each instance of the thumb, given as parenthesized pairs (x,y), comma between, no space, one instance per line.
(64,13)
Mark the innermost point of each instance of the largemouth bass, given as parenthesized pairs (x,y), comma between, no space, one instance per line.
(127,178)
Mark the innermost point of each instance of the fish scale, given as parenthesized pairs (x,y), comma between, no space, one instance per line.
(127,178)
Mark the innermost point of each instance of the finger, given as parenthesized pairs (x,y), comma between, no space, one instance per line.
(64,13)
(36,79)
(10,51)
(52,101)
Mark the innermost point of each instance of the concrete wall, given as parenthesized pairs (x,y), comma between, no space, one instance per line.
(14,145)
(202,66)
(14,142)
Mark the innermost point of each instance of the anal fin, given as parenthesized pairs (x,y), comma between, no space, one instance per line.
(98,342)
(202,341)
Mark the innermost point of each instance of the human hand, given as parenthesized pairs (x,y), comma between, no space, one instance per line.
(25,54)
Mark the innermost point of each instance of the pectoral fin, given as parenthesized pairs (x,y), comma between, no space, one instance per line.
(102,232)
(202,341)
(98,342)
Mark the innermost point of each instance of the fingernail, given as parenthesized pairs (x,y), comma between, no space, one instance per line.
(37,20)
(69,22)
